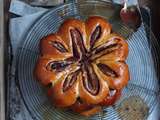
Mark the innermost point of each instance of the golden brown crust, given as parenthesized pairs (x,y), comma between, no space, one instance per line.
(115,82)
(46,46)
(111,98)
(93,99)
(92,23)
(85,109)
(64,30)
(92,111)
(84,61)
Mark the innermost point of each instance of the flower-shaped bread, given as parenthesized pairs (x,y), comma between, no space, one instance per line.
(83,64)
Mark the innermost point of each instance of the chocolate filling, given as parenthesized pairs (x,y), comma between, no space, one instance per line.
(70,80)
(103,50)
(108,48)
(84,58)
(59,65)
(59,46)
(77,43)
(90,80)
(95,36)
(107,70)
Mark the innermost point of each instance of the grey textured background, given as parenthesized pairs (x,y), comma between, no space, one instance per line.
(2,104)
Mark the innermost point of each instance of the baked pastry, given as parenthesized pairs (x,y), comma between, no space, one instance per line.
(83,65)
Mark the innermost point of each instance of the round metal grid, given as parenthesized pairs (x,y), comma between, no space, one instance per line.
(142,60)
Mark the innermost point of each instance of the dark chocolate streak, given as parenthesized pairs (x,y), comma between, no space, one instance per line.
(103,50)
(95,36)
(91,81)
(107,70)
(77,42)
(70,80)
(59,46)
(109,47)
(60,65)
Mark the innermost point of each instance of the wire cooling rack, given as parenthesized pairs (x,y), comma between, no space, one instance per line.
(143,61)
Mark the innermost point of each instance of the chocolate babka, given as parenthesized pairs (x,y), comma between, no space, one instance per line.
(83,65)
